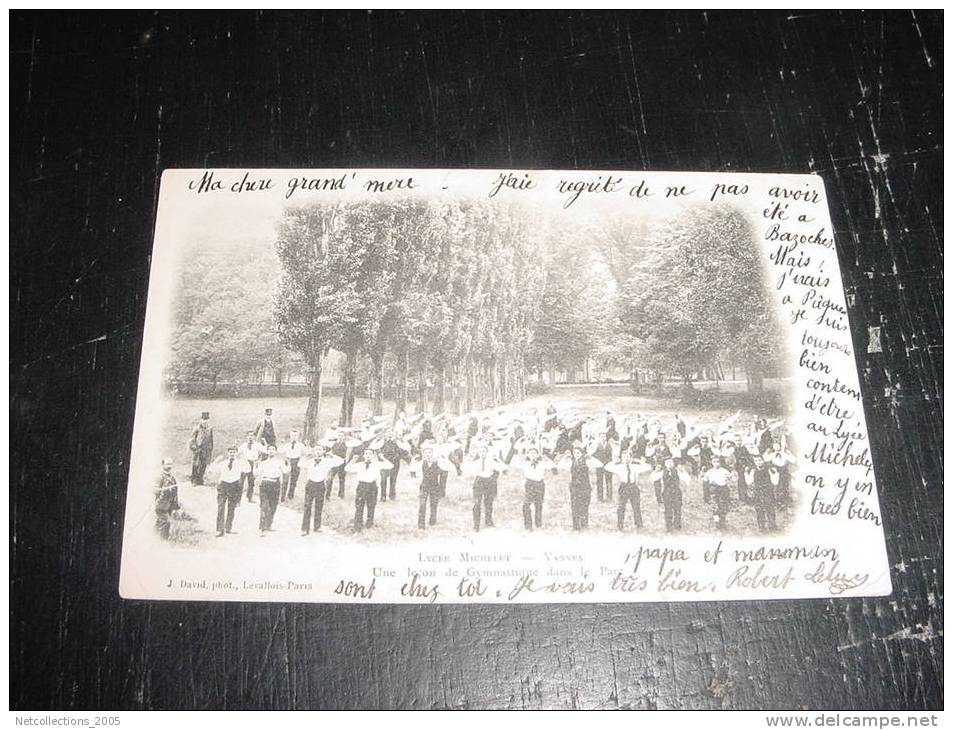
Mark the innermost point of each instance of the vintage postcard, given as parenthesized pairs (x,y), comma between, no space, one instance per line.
(442,386)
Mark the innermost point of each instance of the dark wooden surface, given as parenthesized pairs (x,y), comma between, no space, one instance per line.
(101,103)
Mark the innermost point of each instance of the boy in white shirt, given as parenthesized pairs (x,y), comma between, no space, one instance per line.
(319,472)
(534,469)
(229,490)
(628,473)
(486,468)
(249,451)
(718,480)
(369,471)
(292,451)
(270,473)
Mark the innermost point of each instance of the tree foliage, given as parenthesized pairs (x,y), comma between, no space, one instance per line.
(222,326)
(463,298)
(697,295)
(577,306)
(451,287)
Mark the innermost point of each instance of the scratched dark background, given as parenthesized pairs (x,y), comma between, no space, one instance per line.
(102,103)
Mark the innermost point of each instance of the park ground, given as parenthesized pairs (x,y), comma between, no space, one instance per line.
(397,520)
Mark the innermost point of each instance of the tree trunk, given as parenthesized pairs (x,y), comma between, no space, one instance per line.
(451,390)
(312,416)
(468,392)
(438,386)
(494,400)
(552,375)
(457,391)
(479,376)
(349,390)
(403,365)
(422,389)
(377,383)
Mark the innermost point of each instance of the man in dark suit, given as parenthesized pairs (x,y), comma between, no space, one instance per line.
(705,456)
(766,481)
(339,449)
(671,496)
(744,463)
(265,430)
(201,444)
(432,485)
(166,493)
(391,451)
(603,452)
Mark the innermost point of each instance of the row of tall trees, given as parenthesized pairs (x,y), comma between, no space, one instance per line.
(454,304)
(447,291)
(577,306)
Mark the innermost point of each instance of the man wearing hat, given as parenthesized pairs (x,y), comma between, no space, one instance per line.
(229,490)
(265,430)
(201,445)
(166,492)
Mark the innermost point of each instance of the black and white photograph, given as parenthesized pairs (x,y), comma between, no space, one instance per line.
(496,385)
(382,359)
